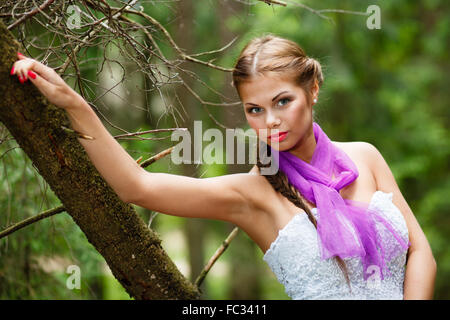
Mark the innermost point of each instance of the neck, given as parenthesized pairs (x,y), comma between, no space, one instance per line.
(305,147)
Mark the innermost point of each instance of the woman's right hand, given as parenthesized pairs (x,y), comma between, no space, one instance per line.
(51,85)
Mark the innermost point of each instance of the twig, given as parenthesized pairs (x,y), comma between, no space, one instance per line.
(30,14)
(216,256)
(92,32)
(160,55)
(4,153)
(160,155)
(183,55)
(79,134)
(60,209)
(311,10)
(204,106)
(148,131)
(152,216)
(31,220)
(269,2)
(362,13)
(215,51)
(224,104)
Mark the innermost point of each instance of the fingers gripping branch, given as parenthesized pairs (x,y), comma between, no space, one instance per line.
(49,83)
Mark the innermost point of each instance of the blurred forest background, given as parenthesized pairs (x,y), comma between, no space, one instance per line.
(386,86)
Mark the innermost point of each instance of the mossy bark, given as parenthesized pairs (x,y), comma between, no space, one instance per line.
(132,251)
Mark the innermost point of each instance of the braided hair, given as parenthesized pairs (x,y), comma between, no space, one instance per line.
(280,183)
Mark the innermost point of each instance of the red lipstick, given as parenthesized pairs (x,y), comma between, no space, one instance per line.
(278,136)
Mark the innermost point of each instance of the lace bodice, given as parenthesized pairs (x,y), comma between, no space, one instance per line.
(294,258)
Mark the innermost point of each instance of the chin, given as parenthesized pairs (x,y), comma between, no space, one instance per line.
(281,146)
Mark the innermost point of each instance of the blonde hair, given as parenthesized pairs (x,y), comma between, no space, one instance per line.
(274,55)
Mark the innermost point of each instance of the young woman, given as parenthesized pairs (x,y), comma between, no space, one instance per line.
(332,222)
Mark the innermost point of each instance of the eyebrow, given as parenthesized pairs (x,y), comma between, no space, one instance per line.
(272,98)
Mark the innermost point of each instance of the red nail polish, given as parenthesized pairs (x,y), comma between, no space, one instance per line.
(21,80)
(32,74)
(19,54)
(12,70)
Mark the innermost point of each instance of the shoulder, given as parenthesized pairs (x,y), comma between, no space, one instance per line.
(355,145)
(363,149)
(371,156)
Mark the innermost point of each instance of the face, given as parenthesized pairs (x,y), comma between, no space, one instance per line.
(279,106)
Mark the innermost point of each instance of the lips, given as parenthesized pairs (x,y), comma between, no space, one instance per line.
(278,136)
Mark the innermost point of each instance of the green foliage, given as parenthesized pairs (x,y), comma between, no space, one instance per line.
(388,87)
(34,260)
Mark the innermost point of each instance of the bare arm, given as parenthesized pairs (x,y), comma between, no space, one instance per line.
(421,265)
(116,166)
(216,198)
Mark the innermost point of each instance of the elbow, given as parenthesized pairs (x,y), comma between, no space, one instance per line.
(131,196)
(127,196)
(125,199)
(129,199)
(124,196)
(132,193)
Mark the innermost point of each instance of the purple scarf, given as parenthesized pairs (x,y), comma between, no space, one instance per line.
(345,228)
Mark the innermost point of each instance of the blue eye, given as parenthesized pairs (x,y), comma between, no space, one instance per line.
(251,109)
(280,103)
(284,99)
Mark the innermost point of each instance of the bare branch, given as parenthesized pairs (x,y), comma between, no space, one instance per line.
(116,15)
(4,153)
(160,155)
(216,256)
(79,134)
(215,51)
(30,14)
(31,220)
(183,55)
(362,13)
(272,2)
(149,131)
(51,212)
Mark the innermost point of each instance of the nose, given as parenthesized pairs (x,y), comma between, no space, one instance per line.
(272,120)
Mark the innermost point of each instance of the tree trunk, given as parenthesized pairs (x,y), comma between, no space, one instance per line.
(132,251)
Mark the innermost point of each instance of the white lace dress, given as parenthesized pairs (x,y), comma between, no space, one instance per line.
(295,260)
